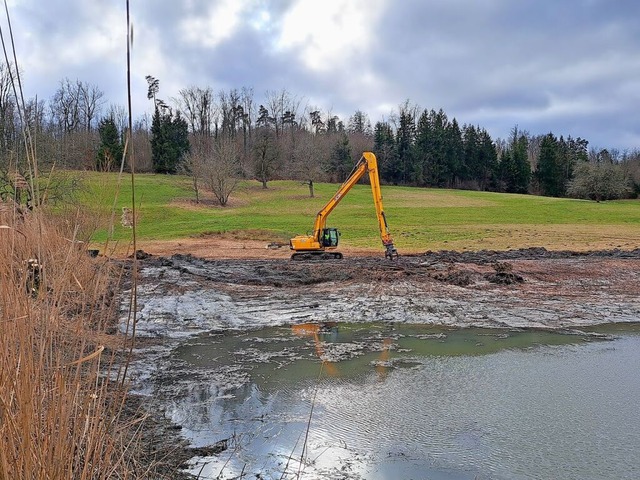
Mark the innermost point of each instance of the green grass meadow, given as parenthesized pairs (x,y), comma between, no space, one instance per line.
(419,219)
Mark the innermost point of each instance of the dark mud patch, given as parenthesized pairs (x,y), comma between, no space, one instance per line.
(532,253)
(209,450)
(504,278)
(503,274)
(162,450)
(184,295)
(443,266)
(274,273)
(461,278)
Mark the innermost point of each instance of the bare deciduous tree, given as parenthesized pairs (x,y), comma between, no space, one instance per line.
(599,181)
(631,166)
(75,106)
(231,111)
(65,107)
(309,159)
(282,106)
(360,142)
(198,107)
(194,162)
(216,163)
(8,133)
(91,101)
(249,114)
(266,154)
(120,116)
(141,141)
(222,168)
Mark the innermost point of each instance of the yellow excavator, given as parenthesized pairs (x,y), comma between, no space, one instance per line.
(320,244)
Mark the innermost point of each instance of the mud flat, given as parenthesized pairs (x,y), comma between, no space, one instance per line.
(183,295)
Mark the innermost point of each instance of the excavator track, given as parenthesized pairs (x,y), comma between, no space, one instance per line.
(316,256)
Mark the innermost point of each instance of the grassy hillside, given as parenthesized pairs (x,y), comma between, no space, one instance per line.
(420,219)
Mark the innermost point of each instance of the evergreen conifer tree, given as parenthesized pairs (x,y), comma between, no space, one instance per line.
(384,148)
(548,171)
(169,140)
(111,148)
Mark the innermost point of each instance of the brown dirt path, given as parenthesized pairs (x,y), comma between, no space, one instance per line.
(215,247)
(233,246)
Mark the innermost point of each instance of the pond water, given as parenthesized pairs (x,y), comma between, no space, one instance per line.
(376,401)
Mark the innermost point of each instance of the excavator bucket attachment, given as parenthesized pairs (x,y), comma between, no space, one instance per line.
(390,252)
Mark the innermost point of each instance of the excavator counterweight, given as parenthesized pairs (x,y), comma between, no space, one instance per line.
(323,240)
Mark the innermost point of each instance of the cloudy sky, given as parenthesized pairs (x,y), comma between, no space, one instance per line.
(571,67)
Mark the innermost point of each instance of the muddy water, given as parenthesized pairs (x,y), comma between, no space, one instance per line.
(377,401)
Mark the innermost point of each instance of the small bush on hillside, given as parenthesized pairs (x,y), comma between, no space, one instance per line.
(599,181)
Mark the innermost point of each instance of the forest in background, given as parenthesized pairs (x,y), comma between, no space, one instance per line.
(221,138)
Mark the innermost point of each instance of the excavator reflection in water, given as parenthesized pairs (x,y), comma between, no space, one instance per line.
(315,330)
(323,240)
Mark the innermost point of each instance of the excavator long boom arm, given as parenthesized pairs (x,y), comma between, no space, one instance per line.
(321,218)
(374,179)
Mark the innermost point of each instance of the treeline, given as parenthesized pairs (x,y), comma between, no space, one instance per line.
(426,149)
(219,138)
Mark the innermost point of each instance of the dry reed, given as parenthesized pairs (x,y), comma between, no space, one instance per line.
(60,410)
(62,397)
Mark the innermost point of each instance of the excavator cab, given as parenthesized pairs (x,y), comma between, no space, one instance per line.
(330,237)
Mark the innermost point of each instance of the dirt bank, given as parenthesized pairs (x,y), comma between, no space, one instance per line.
(184,294)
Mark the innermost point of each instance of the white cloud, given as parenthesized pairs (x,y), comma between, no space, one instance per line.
(87,40)
(329,34)
(218,24)
(261,20)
